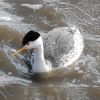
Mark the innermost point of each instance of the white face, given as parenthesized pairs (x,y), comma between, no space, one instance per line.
(34,44)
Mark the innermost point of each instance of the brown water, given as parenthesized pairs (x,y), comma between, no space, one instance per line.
(74,84)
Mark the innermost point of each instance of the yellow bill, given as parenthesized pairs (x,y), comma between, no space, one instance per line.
(20,50)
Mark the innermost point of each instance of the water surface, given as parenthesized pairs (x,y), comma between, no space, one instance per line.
(80,83)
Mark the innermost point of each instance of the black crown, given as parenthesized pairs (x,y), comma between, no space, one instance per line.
(30,36)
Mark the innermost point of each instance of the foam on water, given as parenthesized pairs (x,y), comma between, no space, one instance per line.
(7,80)
(5,18)
(34,7)
(20,66)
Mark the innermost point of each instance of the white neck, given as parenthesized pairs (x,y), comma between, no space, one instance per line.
(39,64)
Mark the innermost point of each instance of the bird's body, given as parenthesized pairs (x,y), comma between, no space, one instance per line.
(63,46)
(59,48)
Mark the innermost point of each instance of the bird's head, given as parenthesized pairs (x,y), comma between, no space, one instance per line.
(31,40)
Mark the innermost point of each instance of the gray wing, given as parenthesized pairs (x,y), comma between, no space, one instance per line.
(58,43)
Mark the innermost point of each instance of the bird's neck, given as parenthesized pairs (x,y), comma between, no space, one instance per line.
(39,64)
(39,55)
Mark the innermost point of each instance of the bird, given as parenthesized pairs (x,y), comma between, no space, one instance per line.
(60,47)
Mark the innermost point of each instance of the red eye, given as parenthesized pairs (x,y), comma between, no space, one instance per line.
(28,43)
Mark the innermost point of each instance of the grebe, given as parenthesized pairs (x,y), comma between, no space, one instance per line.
(59,48)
